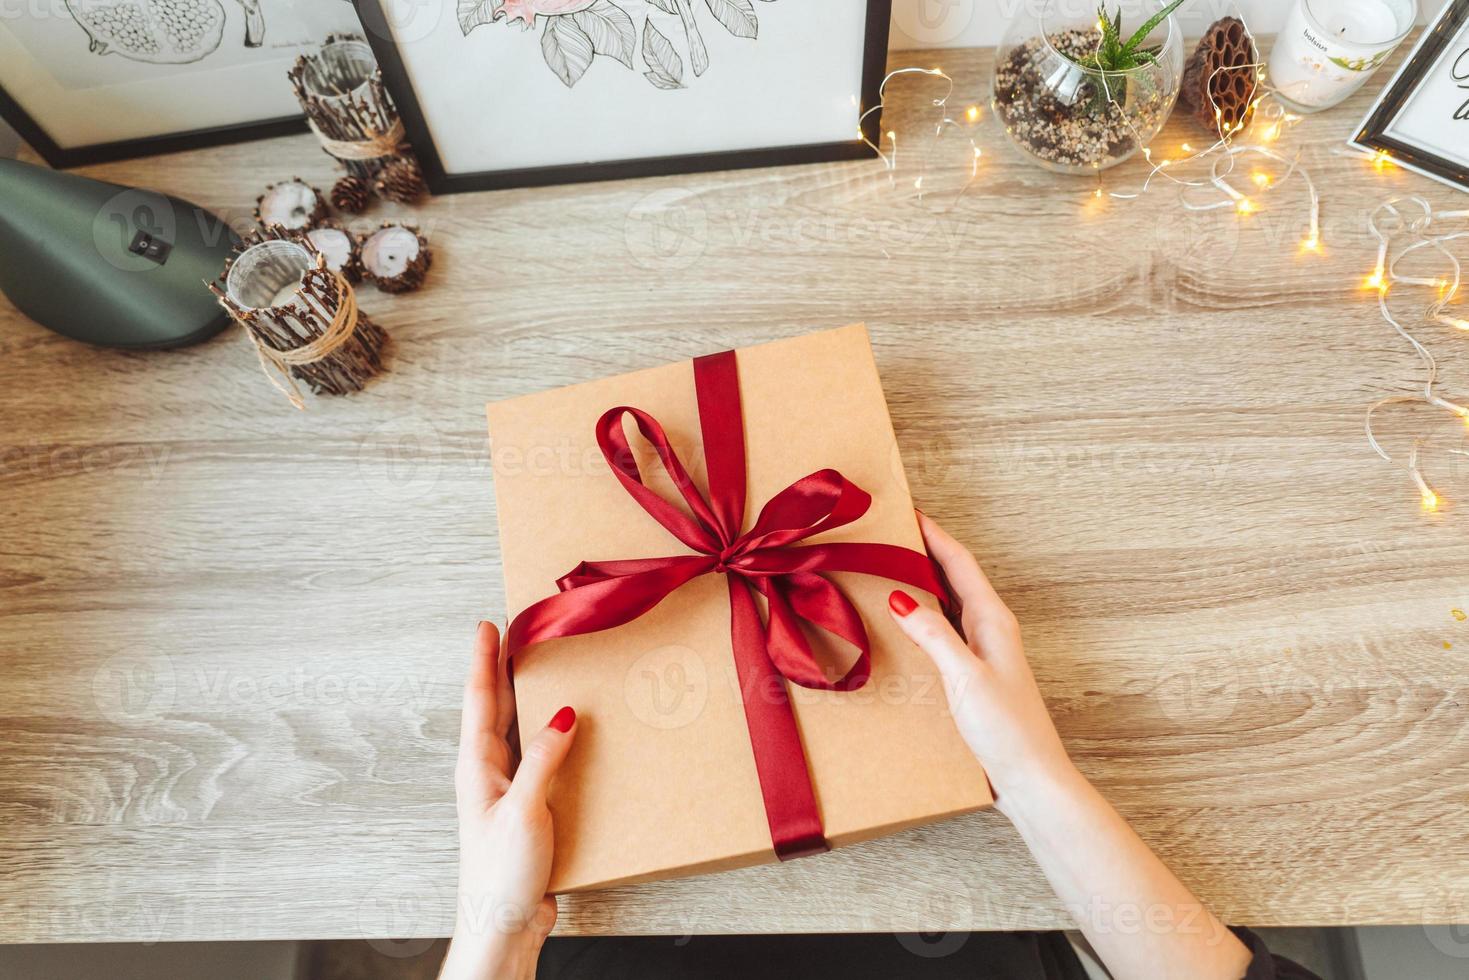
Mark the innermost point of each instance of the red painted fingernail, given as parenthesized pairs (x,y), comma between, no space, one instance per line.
(902,602)
(564,719)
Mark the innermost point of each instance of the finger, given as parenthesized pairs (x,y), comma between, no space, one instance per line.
(504,694)
(542,757)
(481,773)
(478,719)
(986,620)
(931,632)
(967,579)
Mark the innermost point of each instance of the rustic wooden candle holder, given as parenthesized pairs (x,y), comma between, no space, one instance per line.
(341,90)
(292,204)
(395,258)
(301,316)
(339,246)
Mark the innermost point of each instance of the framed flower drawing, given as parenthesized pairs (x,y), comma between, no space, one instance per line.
(507,93)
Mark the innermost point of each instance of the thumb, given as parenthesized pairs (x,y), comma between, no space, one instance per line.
(933,634)
(542,757)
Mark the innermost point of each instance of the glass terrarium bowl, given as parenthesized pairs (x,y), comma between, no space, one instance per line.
(1075,119)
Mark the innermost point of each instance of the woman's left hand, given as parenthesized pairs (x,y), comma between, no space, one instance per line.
(505,837)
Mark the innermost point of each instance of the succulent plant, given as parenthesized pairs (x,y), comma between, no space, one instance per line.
(1115,54)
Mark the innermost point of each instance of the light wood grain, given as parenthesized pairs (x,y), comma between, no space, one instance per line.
(233,634)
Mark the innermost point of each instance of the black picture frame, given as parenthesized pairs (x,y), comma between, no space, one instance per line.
(1371,135)
(395,75)
(64,158)
(278,117)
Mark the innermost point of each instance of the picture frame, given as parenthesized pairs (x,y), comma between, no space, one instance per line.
(464,168)
(1426,102)
(81,87)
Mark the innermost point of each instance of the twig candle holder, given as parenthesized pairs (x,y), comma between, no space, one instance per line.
(341,90)
(340,248)
(301,317)
(395,258)
(292,204)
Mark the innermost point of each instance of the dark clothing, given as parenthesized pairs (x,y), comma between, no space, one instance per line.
(1267,967)
(942,956)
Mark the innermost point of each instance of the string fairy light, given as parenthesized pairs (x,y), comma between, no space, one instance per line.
(1270,118)
(1226,133)
(1219,181)
(942,122)
(1221,190)
(1390,226)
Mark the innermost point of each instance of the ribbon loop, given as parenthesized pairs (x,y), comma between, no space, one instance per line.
(811,598)
(698,533)
(819,502)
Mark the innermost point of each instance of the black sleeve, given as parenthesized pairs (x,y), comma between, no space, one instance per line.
(1266,966)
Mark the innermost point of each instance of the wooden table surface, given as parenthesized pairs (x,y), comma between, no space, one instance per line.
(233,634)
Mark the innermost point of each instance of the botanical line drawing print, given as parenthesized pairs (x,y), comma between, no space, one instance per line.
(161,32)
(698,54)
(665,67)
(575,32)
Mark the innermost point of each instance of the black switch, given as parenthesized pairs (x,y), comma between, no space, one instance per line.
(149,247)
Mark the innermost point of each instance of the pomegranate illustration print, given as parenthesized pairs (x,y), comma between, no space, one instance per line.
(162,32)
(575,32)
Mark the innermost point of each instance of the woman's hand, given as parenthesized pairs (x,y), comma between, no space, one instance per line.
(992,694)
(505,839)
(1102,871)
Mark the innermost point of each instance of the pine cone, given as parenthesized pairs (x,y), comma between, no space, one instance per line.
(401,181)
(1220,75)
(351,194)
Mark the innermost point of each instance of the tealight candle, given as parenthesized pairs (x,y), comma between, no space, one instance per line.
(1329,48)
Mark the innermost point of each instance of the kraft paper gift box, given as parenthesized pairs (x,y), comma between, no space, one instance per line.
(662,780)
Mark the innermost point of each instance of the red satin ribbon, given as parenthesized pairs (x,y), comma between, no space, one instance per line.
(601,595)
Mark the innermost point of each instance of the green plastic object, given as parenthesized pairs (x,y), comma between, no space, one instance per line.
(106,264)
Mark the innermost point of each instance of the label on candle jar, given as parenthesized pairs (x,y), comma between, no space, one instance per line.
(1328,48)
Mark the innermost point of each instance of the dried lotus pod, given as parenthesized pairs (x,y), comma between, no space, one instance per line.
(340,248)
(293,204)
(395,258)
(1221,79)
(401,180)
(351,194)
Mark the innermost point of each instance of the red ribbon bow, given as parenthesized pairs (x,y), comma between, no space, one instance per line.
(601,595)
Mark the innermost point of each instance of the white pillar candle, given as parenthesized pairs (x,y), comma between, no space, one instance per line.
(1329,48)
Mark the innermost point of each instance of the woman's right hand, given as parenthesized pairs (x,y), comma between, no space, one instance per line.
(1100,868)
(992,694)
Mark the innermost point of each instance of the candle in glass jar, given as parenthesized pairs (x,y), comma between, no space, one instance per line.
(1329,48)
